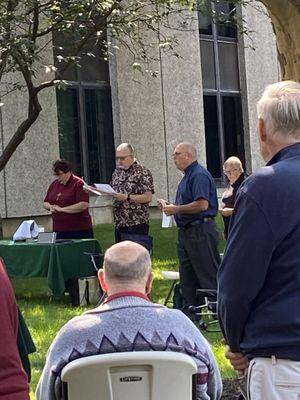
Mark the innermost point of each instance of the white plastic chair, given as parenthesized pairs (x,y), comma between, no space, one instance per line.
(141,375)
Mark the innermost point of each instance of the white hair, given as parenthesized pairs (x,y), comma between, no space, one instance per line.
(279,107)
(235,163)
(126,146)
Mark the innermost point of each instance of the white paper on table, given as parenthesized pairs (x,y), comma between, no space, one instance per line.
(27,230)
(167,221)
(105,188)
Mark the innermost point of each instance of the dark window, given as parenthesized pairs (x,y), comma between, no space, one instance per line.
(85,112)
(212,135)
(208,68)
(205,22)
(63,47)
(233,126)
(228,66)
(221,87)
(68,128)
(226,17)
(100,142)
(93,66)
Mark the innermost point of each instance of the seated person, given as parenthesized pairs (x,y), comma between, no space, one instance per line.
(128,321)
(13,379)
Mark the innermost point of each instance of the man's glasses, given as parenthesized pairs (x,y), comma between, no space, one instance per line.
(123,157)
(177,153)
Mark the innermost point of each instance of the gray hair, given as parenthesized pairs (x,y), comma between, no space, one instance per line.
(279,107)
(235,163)
(126,146)
(127,262)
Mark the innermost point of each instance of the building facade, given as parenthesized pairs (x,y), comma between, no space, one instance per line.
(206,96)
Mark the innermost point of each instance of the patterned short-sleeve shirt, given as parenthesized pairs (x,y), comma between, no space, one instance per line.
(134,180)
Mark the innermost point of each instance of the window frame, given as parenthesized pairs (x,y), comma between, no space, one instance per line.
(218,92)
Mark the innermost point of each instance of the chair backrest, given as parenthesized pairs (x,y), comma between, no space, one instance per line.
(142,375)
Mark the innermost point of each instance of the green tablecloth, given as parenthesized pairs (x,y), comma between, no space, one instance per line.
(58,262)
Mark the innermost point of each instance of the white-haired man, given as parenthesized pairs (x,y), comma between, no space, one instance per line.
(128,321)
(259,278)
(134,186)
(195,207)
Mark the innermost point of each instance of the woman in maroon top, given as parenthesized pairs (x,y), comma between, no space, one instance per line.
(68,203)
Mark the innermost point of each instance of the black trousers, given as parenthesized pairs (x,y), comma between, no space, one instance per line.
(142,229)
(199,259)
(72,284)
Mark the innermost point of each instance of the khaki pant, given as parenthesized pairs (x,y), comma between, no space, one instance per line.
(273,379)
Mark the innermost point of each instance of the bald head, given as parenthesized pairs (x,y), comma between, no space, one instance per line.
(187,148)
(184,155)
(127,263)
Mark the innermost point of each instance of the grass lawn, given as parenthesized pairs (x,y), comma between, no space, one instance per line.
(45,319)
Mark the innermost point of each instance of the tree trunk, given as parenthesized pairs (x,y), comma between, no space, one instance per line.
(285,16)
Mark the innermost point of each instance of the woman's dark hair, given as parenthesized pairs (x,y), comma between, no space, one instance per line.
(62,165)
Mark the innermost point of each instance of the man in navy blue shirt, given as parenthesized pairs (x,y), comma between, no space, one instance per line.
(194,210)
(259,278)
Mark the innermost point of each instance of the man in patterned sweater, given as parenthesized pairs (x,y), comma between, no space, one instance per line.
(133,184)
(128,321)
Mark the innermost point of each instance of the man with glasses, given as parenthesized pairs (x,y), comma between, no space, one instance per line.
(194,210)
(133,184)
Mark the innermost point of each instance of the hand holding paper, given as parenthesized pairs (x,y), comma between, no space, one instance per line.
(167,221)
(161,203)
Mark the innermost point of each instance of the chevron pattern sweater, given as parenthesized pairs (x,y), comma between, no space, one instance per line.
(129,323)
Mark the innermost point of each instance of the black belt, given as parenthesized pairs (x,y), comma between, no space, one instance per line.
(198,222)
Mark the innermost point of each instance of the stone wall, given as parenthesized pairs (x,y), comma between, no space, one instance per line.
(27,175)
(261,69)
(153,114)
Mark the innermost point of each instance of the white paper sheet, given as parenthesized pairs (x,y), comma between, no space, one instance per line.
(27,230)
(167,221)
(105,188)
(91,189)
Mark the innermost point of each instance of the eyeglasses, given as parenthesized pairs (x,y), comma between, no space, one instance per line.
(229,171)
(177,153)
(122,158)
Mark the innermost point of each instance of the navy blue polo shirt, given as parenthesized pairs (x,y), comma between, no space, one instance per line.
(196,184)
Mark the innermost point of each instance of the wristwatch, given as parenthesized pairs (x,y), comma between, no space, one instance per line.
(128,197)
